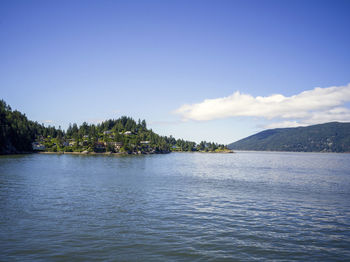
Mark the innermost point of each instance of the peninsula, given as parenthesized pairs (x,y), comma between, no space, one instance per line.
(121,136)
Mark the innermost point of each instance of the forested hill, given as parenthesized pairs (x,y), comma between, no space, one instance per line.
(122,135)
(329,137)
(17,132)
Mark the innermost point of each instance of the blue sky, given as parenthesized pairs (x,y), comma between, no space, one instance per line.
(178,64)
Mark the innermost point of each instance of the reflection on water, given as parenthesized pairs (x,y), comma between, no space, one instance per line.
(180,206)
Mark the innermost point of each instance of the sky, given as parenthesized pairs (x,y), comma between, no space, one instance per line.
(198,70)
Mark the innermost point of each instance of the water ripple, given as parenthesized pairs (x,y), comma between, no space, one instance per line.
(176,207)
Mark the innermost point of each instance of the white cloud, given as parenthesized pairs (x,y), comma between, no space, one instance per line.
(284,124)
(314,106)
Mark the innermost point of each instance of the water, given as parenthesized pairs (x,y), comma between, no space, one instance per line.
(175,207)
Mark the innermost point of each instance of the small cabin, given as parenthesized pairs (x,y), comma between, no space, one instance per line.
(100,147)
(37,146)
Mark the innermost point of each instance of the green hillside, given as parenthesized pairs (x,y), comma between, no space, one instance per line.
(329,137)
(122,135)
(17,132)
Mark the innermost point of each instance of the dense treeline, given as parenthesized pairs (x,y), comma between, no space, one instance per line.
(132,136)
(18,134)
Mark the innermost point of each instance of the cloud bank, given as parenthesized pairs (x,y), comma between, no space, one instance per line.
(318,105)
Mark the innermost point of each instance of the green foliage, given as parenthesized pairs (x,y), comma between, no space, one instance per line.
(17,132)
(114,135)
(329,137)
(102,138)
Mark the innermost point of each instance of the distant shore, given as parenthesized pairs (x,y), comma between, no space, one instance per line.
(126,154)
(209,152)
(95,153)
(115,154)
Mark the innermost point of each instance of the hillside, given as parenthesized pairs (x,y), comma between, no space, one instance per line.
(328,137)
(122,135)
(17,132)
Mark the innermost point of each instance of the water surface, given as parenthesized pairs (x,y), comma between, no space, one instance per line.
(175,207)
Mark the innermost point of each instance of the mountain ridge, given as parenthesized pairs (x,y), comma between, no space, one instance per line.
(327,137)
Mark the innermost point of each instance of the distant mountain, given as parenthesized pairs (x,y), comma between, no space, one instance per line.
(328,137)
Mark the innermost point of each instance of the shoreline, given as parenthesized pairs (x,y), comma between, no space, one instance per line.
(136,154)
(126,154)
(274,151)
(95,154)
(209,152)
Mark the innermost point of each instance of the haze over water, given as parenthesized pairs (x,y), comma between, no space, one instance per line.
(179,206)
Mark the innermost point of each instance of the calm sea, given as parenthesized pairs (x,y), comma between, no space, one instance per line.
(175,207)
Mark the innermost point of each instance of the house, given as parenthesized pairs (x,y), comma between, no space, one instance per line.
(72,143)
(86,136)
(116,145)
(145,142)
(127,133)
(38,146)
(100,147)
(108,132)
